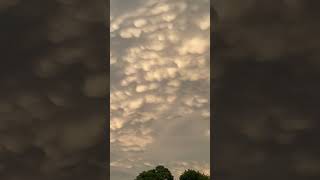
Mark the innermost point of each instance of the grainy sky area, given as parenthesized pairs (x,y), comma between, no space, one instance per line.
(53,80)
(160,78)
(266,90)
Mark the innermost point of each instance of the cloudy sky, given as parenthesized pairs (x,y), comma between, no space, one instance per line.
(266,90)
(53,90)
(159,86)
(53,81)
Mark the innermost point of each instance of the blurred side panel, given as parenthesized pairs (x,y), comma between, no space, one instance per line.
(54,89)
(266,90)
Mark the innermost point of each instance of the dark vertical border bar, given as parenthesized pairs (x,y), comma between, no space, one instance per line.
(43,111)
(267,101)
(212,104)
(107,131)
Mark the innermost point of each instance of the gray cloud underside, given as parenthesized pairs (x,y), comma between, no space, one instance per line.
(53,88)
(266,71)
(159,86)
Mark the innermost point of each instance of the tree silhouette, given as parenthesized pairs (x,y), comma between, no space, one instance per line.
(159,173)
(193,175)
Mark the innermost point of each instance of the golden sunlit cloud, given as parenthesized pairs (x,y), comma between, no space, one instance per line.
(160,84)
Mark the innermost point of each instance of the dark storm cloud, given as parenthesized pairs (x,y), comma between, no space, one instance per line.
(53,77)
(266,92)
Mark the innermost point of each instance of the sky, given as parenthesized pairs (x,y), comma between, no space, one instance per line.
(53,80)
(266,90)
(159,86)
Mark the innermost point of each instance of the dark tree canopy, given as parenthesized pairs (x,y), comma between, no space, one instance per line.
(159,173)
(193,175)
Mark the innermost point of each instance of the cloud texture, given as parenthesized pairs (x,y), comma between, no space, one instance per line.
(53,88)
(160,72)
(266,94)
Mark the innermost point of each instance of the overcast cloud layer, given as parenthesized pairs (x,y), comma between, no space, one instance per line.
(266,90)
(159,99)
(53,89)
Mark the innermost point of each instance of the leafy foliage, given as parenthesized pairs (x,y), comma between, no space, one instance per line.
(193,175)
(159,173)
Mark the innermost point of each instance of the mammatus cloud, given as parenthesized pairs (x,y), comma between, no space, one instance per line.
(53,88)
(266,95)
(159,86)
